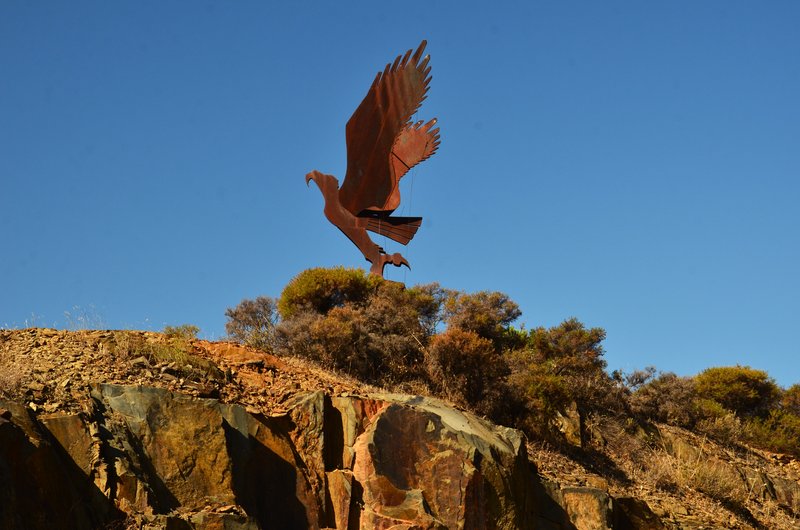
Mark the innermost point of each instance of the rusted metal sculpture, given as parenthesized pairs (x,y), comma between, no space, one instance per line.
(382,145)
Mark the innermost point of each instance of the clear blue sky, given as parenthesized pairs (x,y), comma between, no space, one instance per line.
(632,164)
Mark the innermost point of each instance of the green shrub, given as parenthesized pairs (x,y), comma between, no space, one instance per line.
(293,336)
(570,344)
(739,389)
(539,391)
(341,341)
(184,331)
(666,398)
(707,409)
(322,289)
(397,322)
(778,432)
(487,314)
(716,421)
(466,369)
(378,339)
(790,400)
(429,300)
(575,353)
(252,322)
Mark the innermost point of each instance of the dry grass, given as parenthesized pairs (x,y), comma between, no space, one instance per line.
(685,467)
(175,351)
(726,429)
(649,457)
(670,467)
(713,477)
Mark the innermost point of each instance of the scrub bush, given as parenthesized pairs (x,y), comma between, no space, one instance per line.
(740,389)
(252,322)
(667,398)
(466,368)
(487,314)
(320,290)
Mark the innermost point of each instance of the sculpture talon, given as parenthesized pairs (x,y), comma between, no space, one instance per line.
(382,145)
(398,260)
(395,259)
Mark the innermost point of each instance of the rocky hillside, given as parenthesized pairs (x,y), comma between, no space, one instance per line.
(125,429)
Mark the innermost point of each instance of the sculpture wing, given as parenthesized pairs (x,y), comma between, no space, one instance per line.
(415,144)
(373,129)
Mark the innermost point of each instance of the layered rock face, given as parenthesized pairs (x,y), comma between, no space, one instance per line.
(284,444)
(145,457)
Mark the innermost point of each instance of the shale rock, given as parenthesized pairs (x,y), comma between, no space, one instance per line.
(164,460)
(40,485)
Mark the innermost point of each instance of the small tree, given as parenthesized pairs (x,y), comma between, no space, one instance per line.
(252,322)
(573,347)
(556,367)
(740,389)
(635,380)
(573,352)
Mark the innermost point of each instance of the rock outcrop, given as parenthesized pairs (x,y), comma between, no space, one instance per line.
(158,459)
(114,430)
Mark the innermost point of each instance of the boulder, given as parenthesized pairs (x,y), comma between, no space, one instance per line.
(588,508)
(425,464)
(194,452)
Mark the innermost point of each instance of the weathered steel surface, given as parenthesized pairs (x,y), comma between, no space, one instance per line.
(382,145)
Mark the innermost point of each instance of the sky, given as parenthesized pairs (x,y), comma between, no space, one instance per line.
(631,164)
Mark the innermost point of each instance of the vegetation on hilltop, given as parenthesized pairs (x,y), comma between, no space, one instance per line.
(686,447)
(464,347)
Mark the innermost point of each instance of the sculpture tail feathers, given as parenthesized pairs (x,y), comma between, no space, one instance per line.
(400,229)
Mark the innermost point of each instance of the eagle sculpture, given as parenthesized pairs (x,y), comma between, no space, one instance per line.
(382,145)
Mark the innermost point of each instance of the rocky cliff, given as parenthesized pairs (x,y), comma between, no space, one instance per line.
(123,430)
(151,458)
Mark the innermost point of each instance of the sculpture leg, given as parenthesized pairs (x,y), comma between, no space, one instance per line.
(395,259)
(372,252)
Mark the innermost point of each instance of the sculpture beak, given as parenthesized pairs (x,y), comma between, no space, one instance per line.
(308,178)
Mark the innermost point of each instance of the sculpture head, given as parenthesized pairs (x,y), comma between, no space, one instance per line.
(326,183)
